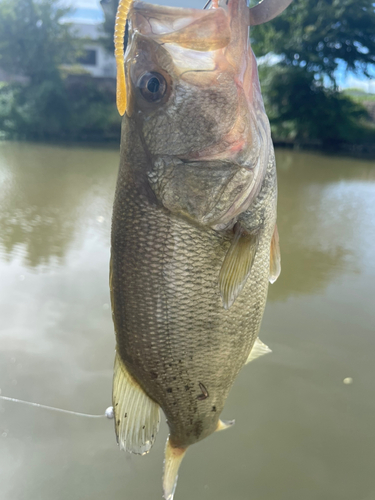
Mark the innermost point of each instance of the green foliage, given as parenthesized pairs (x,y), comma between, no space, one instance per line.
(110,9)
(359,95)
(315,34)
(33,111)
(301,109)
(33,40)
(93,113)
(310,39)
(76,110)
(35,43)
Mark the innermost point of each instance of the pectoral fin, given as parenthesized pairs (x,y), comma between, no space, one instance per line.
(237,265)
(275,260)
(137,416)
(259,349)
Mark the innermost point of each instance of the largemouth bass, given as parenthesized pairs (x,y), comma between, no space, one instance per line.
(194,237)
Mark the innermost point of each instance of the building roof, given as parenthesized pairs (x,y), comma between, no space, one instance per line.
(86,15)
(83,30)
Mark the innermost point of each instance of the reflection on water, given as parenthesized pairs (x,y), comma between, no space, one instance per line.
(46,196)
(301,432)
(324,203)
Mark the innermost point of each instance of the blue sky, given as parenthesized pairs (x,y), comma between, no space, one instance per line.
(90,11)
(86,10)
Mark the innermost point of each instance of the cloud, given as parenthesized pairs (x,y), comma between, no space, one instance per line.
(83,4)
(359,83)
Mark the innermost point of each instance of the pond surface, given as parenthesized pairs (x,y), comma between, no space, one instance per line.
(301,433)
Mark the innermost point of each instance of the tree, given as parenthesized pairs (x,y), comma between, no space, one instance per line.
(316,35)
(310,39)
(109,8)
(302,109)
(34,41)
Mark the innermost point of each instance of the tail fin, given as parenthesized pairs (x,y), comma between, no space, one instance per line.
(173,458)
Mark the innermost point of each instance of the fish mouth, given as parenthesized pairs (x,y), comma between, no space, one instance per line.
(166,11)
(226,23)
(197,40)
(205,31)
(201,30)
(264,11)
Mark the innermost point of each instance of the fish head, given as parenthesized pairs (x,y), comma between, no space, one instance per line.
(194,97)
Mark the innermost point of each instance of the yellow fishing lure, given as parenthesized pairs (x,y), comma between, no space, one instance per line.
(121,15)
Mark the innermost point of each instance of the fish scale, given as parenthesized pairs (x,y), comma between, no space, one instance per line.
(194,237)
(174,325)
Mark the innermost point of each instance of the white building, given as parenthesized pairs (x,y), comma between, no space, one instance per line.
(87,24)
(86,20)
(96,60)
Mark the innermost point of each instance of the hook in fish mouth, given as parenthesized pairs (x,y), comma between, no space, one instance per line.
(264,11)
(209,1)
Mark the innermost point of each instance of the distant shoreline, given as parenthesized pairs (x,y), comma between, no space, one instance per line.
(364,151)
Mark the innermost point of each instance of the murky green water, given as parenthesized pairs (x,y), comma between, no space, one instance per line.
(300,433)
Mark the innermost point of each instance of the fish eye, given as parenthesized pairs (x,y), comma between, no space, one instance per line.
(152,86)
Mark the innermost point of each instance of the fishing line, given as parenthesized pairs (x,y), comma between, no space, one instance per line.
(108,413)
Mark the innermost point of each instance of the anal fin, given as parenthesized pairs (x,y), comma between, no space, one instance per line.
(259,349)
(137,416)
(237,264)
(275,258)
